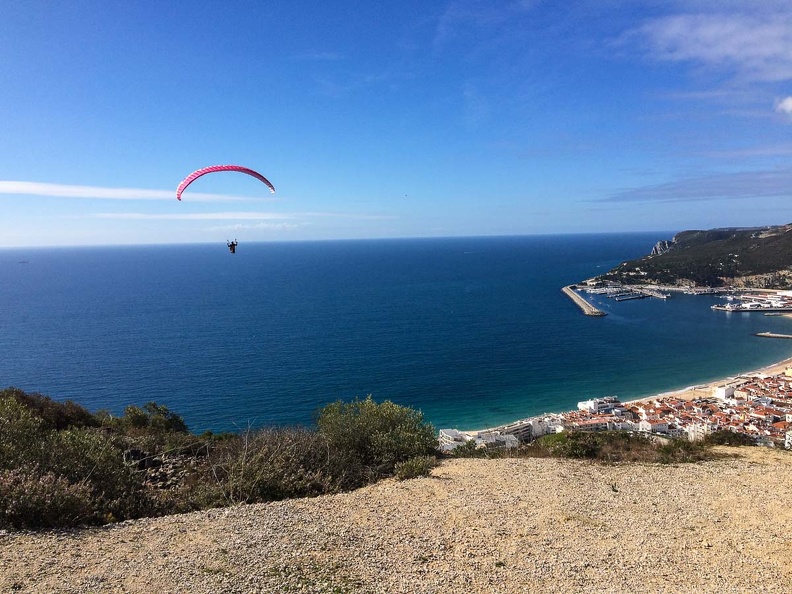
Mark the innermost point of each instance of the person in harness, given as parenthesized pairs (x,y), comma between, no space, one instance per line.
(232,246)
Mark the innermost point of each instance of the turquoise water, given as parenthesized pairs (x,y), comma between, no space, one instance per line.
(472,331)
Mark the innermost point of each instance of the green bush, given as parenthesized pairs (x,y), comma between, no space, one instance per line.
(61,466)
(87,455)
(682,450)
(415,467)
(22,435)
(54,415)
(152,418)
(372,438)
(729,438)
(469,449)
(616,446)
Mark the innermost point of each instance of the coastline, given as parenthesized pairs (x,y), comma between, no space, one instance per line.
(704,390)
(694,392)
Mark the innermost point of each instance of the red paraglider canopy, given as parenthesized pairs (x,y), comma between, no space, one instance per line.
(196,174)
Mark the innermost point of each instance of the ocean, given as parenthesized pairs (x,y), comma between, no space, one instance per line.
(474,332)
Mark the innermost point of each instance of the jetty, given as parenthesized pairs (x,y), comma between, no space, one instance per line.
(773,335)
(584,305)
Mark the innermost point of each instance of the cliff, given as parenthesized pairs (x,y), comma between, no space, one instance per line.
(510,525)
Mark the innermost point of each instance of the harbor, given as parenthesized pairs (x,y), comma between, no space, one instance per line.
(617,293)
(776,303)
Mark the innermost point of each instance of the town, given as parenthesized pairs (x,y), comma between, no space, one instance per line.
(759,406)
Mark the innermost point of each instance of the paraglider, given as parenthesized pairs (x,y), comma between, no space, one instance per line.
(196,174)
(232,246)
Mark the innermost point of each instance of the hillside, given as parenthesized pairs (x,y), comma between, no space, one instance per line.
(748,257)
(510,525)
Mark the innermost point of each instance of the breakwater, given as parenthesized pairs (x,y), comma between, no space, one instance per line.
(773,335)
(584,305)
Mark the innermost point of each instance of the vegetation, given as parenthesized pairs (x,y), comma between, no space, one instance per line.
(61,465)
(757,257)
(372,438)
(616,446)
(415,467)
(729,438)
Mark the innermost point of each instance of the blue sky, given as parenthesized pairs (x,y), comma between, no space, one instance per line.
(375,119)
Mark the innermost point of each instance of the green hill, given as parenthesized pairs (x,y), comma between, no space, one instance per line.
(744,257)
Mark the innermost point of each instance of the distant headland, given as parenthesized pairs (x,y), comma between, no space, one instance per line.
(747,257)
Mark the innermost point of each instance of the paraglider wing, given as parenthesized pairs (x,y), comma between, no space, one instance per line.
(196,174)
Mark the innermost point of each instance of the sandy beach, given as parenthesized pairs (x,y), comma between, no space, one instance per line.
(705,390)
(688,393)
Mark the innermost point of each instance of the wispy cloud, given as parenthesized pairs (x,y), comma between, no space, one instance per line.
(754,47)
(233,216)
(258,227)
(100,193)
(199,216)
(725,186)
(769,150)
(343,215)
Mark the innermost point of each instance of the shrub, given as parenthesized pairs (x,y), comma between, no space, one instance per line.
(269,465)
(372,438)
(30,499)
(152,418)
(469,449)
(415,467)
(86,455)
(55,415)
(682,450)
(21,435)
(729,438)
(617,446)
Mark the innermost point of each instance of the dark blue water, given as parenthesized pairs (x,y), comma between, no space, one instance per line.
(473,332)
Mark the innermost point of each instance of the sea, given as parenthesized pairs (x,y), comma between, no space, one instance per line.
(473,332)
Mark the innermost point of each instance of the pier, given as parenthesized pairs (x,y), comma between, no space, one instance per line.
(773,335)
(584,305)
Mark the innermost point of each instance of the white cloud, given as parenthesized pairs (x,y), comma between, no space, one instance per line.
(343,215)
(755,47)
(258,227)
(100,193)
(785,106)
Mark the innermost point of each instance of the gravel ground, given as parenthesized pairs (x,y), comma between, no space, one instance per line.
(489,526)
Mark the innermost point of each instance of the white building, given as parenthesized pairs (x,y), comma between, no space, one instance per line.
(450,439)
(600,405)
(653,426)
(493,439)
(698,431)
(724,391)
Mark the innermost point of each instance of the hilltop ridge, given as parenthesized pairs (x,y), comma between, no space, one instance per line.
(499,526)
(759,257)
